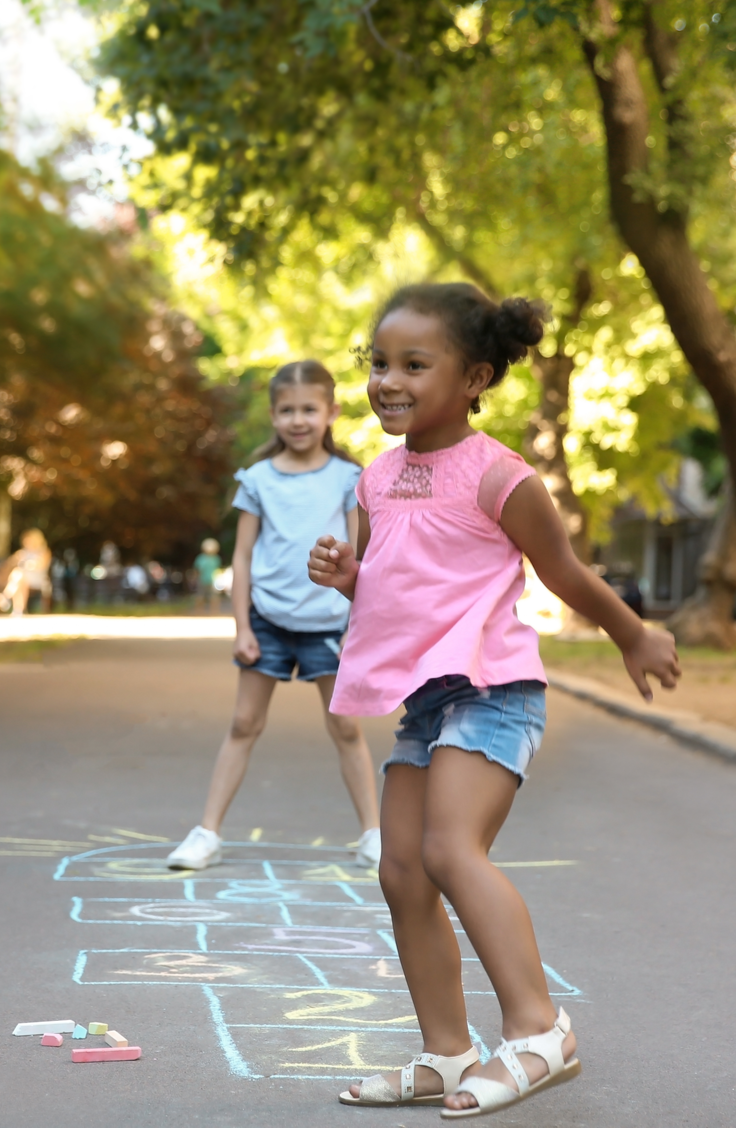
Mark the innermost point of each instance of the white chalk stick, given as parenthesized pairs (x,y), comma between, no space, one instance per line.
(114,1039)
(55,1026)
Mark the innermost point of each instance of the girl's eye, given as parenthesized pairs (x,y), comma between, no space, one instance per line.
(415,365)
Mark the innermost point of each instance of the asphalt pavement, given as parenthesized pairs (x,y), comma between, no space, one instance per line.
(259,988)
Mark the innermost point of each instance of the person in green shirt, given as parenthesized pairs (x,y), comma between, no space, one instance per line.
(206,566)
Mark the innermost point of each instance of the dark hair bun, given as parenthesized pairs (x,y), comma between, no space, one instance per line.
(518,325)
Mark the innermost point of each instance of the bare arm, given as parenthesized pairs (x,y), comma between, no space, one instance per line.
(335,563)
(246,647)
(353,528)
(530,519)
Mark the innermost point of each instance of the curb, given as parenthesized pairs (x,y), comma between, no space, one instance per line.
(688,728)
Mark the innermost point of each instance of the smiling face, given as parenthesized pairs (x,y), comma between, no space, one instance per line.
(301,415)
(419,385)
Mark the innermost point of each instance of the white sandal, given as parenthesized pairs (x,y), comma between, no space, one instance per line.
(492,1096)
(377,1091)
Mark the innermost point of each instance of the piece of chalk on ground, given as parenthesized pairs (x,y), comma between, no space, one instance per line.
(97,1027)
(79,1032)
(52,1040)
(57,1026)
(114,1039)
(103,1053)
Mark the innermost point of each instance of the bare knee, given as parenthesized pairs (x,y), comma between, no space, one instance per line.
(443,858)
(343,730)
(246,726)
(403,879)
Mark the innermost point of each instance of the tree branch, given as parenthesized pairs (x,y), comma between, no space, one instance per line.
(450,254)
(661,48)
(626,121)
(401,56)
(659,239)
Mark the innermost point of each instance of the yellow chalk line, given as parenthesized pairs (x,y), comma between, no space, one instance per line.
(525,865)
(43,842)
(135,834)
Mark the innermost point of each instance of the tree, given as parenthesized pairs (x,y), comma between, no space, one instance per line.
(358,128)
(650,202)
(107,428)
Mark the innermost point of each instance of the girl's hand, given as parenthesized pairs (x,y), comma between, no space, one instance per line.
(654,653)
(246,649)
(332,563)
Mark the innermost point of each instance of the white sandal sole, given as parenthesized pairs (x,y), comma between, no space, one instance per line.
(347,1098)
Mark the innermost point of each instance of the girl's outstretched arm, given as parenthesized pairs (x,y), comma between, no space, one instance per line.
(246,647)
(530,519)
(334,563)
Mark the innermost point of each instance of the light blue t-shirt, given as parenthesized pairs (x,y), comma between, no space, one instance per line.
(294,510)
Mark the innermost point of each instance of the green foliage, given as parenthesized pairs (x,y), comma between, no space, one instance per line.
(306,139)
(65,304)
(705,446)
(545,13)
(106,426)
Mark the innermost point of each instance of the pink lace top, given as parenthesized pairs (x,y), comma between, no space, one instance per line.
(437,588)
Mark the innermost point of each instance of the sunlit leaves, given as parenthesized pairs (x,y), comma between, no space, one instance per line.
(101,403)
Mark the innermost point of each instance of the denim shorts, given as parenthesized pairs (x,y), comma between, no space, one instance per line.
(503,722)
(312,653)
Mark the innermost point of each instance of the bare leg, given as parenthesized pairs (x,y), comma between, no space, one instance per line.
(20,595)
(249,719)
(468,800)
(356,764)
(425,937)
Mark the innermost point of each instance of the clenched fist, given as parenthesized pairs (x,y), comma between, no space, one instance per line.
(332,564)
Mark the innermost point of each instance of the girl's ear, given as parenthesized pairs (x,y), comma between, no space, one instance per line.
(334,412)
(478,377)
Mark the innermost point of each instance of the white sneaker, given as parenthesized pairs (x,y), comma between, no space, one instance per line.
(368,854)
(200,848)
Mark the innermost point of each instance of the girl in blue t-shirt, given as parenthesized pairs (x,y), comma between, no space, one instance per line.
(300,488)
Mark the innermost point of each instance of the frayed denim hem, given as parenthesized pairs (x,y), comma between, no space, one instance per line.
(405,760)
(521,776)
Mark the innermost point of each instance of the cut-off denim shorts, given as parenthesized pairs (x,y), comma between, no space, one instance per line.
(313,654)
(505,723)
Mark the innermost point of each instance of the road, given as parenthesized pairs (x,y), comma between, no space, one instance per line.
(257,988)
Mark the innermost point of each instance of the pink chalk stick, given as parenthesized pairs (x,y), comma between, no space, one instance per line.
(52,1040)
(102,1053)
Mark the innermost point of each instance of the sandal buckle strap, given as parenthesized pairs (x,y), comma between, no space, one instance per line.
(450,1070)
(547,1046)
(506,1052)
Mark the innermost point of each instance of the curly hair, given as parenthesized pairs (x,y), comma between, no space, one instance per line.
(481,329)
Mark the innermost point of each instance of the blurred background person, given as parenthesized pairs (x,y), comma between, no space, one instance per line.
(71,577)
(206,566)
(135,583)
(29,582)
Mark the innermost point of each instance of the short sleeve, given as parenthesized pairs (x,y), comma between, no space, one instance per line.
(247,496)
(500,481)
(352,478)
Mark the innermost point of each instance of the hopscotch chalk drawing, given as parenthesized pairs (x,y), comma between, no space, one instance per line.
(290,945)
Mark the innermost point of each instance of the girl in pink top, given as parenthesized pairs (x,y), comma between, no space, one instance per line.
(444,521)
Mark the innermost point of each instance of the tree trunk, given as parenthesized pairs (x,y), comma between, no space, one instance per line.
(5,515)
(657,232)
(544,443)
(706,618)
